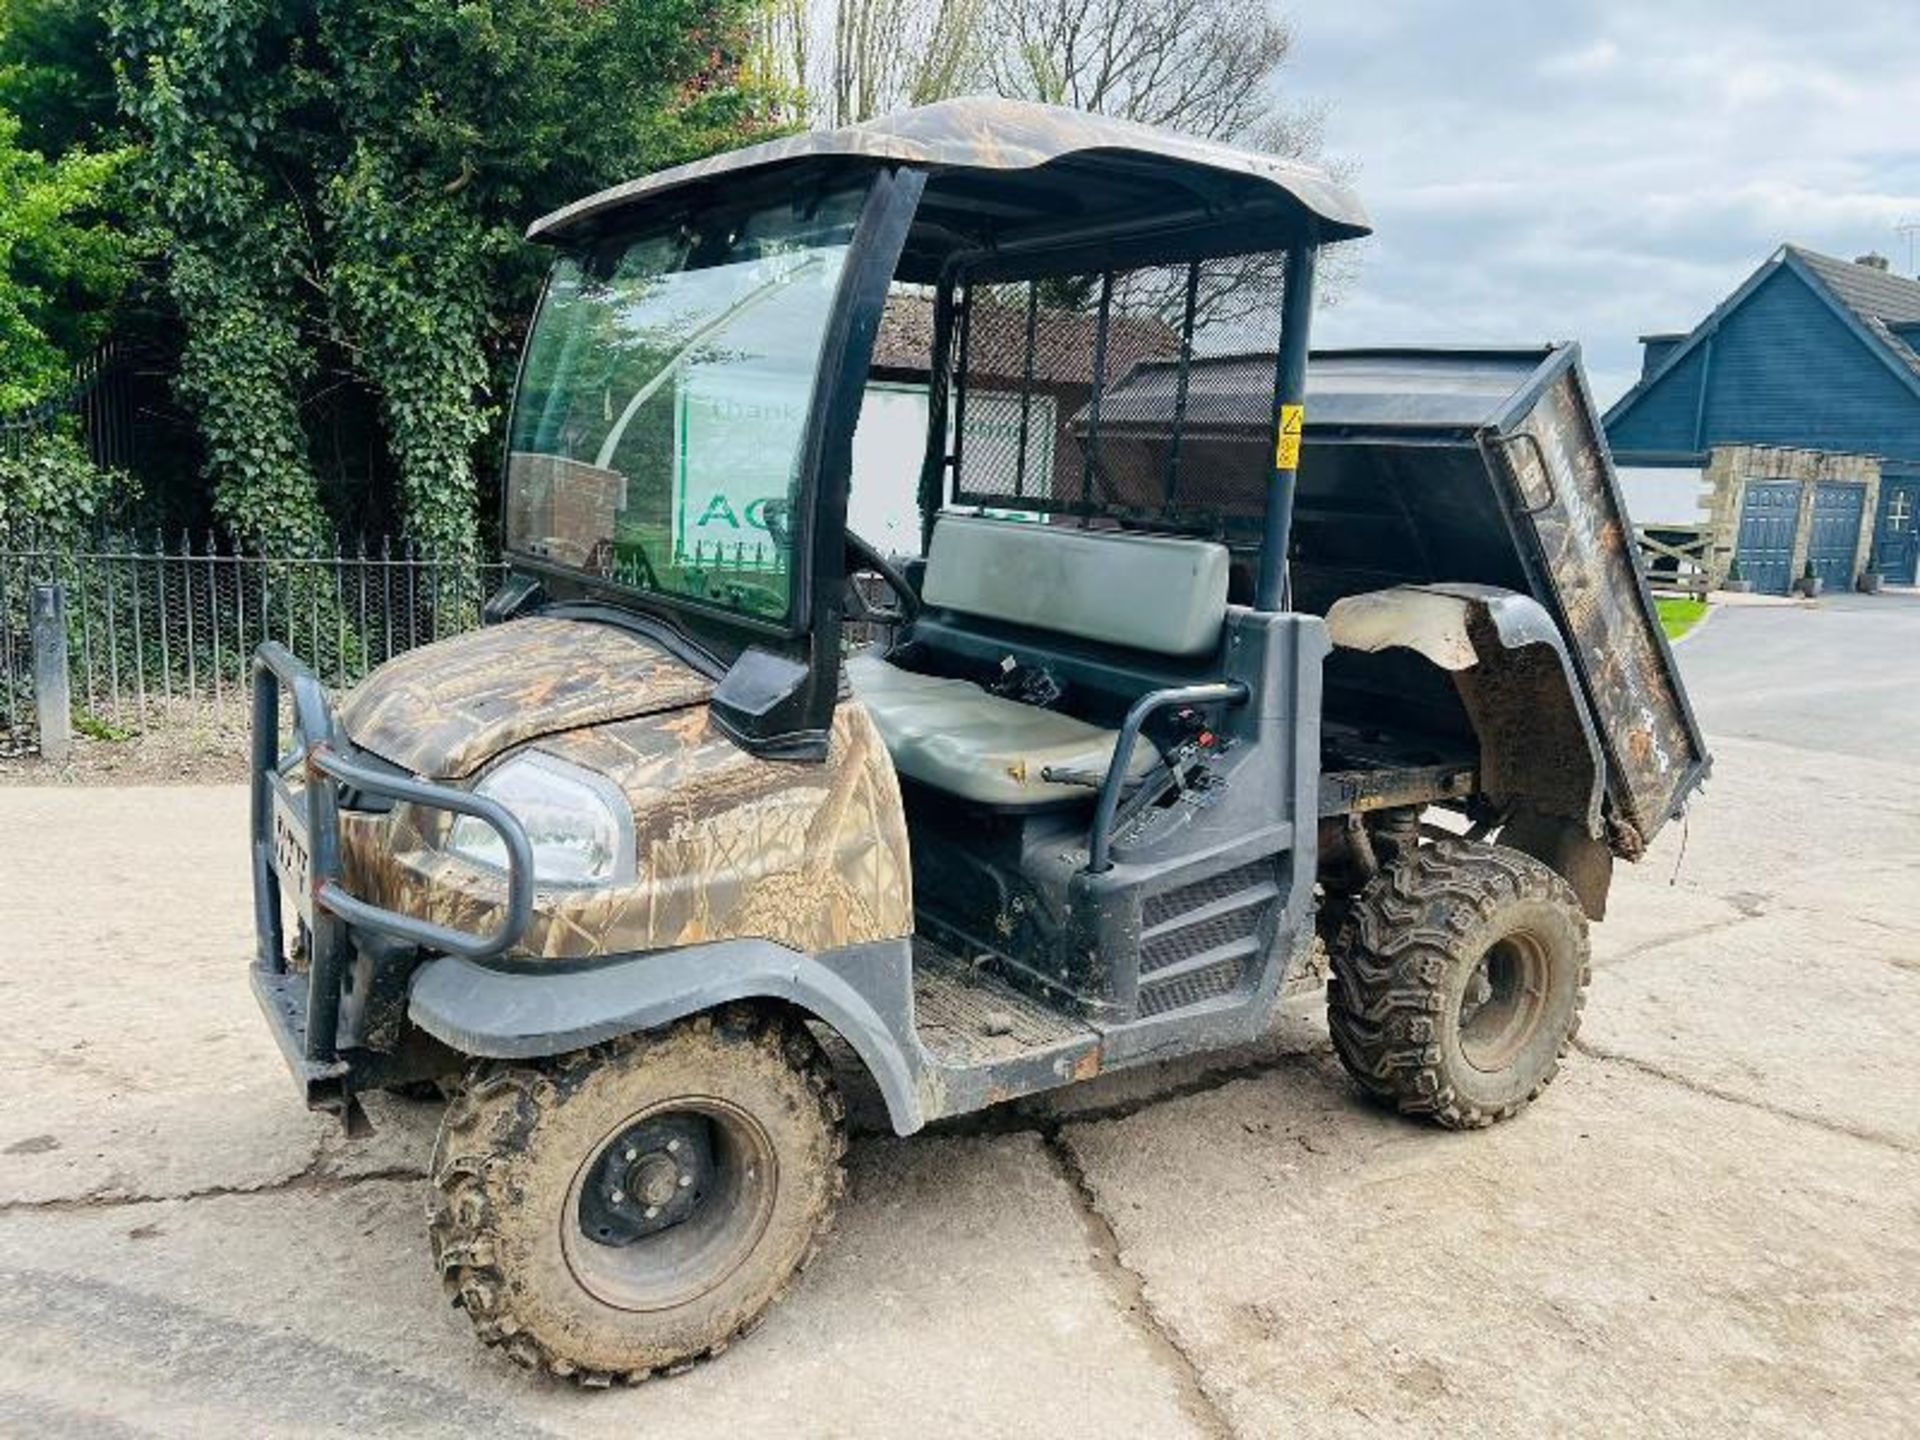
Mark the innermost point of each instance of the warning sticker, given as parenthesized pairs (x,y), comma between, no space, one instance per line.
(1286,453)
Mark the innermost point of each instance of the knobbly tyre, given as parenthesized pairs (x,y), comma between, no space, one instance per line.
(1210,649)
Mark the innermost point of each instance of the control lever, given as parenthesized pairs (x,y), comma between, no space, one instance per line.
(1067,775)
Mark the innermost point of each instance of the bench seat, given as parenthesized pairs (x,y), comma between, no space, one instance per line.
(1149,596)
(959,738)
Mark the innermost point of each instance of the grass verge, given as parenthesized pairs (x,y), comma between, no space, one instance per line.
(1679,614)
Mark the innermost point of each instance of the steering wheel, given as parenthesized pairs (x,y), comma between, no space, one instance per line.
(862,556)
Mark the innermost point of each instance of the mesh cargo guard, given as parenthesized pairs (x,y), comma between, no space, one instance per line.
(1038,362)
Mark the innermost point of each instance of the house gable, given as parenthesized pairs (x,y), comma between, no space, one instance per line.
(1783,362)
(1661,417)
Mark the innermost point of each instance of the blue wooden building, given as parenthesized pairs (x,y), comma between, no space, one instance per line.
(1797,401)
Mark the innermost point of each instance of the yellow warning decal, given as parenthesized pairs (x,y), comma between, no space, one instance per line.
(1286,453)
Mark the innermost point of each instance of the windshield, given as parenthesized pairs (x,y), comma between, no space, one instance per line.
(657,429)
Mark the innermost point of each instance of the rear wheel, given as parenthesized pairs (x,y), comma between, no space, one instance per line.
(1457,981)
(633,1207)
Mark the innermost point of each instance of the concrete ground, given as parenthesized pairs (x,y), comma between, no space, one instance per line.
(1709,1225)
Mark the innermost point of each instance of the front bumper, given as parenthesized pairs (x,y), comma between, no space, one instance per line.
(296,841)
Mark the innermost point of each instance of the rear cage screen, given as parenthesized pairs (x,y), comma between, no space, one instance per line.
(1080,396)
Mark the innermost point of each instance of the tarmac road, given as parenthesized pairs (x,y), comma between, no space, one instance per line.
(1709,1225)
(1837,675)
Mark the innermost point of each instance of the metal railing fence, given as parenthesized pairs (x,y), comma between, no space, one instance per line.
(154,626)
(102,396)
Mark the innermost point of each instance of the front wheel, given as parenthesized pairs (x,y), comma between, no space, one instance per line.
(1457,981)
(633,1207)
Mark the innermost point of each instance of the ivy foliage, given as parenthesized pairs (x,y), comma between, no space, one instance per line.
(52,494)
(339,188)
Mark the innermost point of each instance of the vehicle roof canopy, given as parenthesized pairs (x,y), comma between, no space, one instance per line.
(1018,188)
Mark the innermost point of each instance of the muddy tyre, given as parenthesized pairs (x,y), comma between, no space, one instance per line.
(1457,981)
(632,1208)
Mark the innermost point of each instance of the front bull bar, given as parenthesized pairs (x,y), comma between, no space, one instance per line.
(306,1016)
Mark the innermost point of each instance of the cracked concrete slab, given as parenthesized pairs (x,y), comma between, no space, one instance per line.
(1627,1257)
(126,931)
(1646,914)
(1770,951)
(1812,1016)
(1787,827)
(961,1295)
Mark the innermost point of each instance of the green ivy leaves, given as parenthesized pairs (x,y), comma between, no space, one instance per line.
(337,189)
(60,266)
(50,488)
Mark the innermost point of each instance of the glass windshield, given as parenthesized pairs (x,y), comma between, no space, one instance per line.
(656,432)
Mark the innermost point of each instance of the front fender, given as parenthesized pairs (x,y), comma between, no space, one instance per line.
(863,991)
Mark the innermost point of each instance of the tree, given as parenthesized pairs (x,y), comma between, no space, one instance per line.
(60,266)
(338,189)
(838,62)
(56,74)
(1203,67)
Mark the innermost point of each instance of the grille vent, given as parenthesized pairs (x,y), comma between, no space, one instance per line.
(1198,942)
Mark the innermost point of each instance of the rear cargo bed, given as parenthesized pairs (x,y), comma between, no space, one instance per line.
(1426,466)
(1525,423)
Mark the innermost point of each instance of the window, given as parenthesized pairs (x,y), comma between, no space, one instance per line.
(657,431)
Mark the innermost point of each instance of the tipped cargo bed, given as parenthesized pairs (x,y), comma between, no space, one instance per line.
(1429,466)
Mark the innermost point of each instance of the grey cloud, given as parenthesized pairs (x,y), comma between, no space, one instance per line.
(1593,171)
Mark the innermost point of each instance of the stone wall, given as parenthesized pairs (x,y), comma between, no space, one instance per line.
(1730,467)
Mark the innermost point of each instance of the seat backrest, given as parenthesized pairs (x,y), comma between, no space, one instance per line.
(1147,592)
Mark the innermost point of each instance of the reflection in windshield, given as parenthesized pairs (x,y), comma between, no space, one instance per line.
(657,429)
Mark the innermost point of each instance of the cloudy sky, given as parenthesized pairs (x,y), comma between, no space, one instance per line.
(1597,169)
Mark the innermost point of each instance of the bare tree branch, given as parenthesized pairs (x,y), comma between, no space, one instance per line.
(1204,67)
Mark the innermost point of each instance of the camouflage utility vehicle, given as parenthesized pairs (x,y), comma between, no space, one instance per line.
(1206,647)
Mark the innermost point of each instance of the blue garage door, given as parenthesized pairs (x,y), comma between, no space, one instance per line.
(1836,532)
(1896,538)
(1765,544)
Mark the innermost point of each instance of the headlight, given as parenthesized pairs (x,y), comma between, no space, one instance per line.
(578,823)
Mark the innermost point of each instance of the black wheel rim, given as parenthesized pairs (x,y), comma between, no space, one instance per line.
(1504,998)
(669,1205)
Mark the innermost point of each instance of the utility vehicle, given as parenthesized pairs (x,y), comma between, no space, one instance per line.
(1208,650)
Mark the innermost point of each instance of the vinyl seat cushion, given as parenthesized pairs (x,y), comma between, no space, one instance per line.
(1158,594)
(962,739)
